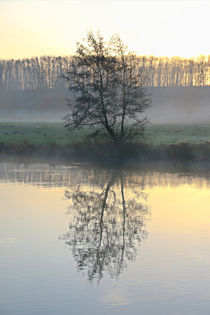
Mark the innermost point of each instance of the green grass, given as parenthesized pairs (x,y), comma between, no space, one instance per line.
(173,134)
(37,133)
(49,133)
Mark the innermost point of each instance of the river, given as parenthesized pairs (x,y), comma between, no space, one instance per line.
(81,240)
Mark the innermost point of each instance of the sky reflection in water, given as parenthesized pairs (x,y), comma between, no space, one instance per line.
(140,241)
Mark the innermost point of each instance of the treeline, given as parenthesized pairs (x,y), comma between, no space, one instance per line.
(46,72)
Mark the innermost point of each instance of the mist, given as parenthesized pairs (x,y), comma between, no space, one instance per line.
(179,105)
(38,105)
(170,105)
(34,89)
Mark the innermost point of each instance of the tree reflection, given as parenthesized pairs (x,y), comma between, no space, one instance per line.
(107,224)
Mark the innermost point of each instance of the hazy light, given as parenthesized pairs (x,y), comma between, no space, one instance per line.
(161,28)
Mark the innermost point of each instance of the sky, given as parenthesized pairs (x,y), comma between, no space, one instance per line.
(52,27)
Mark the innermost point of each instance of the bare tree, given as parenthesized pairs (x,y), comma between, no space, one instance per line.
(45,72)
(105,90)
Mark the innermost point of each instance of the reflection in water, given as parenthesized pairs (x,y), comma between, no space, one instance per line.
(45,175)
(106,226)
(107,215)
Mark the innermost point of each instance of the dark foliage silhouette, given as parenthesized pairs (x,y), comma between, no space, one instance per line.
(105,93)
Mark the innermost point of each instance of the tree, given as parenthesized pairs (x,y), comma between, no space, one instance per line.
(105,89)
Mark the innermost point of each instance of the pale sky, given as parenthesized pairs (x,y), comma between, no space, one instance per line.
(51,27)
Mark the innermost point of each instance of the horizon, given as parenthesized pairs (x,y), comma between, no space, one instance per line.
(194,58)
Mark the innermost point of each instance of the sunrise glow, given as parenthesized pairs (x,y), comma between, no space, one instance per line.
(160,28)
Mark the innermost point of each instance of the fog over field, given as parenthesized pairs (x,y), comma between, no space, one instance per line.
(180,105)
(35,89)
(169,104)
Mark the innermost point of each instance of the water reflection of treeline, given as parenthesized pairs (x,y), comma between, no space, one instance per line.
(66,176)
(107,224)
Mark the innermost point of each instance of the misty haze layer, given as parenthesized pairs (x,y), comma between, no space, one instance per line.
(180,105)
(169,104)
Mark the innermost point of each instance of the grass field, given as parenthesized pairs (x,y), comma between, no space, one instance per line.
(54,133)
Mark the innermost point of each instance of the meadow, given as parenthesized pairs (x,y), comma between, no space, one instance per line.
(55,133)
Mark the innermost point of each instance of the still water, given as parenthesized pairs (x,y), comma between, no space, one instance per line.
(76,240)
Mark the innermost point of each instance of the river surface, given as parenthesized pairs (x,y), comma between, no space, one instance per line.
(79,240)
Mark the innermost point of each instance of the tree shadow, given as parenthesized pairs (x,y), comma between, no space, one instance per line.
(106,225)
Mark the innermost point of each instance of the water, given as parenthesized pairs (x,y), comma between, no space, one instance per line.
(76,240)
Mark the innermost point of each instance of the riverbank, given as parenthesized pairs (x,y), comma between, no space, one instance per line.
(51,142)
(108,153)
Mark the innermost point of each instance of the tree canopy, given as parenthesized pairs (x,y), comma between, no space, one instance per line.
(105,94)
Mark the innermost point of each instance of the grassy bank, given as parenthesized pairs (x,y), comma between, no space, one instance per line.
(170,143)
(108,153)
(54,133)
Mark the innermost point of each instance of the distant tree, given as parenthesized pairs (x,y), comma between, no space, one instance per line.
(45,72)
(105,89)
